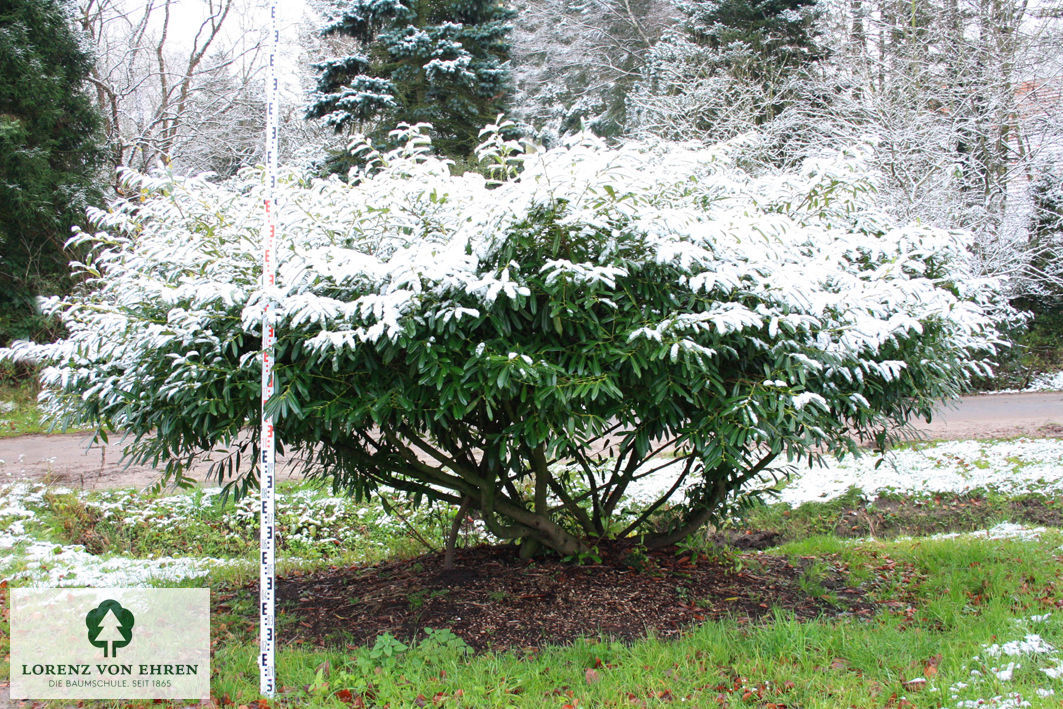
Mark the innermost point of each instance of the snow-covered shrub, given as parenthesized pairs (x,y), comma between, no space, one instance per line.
(531,345)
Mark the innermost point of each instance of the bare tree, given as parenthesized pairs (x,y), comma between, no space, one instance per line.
(960,95)
(171,73)
(961,99)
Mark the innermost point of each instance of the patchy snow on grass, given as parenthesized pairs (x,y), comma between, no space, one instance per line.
(1052,381)
(54,565)
(1013,467)
(310,525)
(1032,644)
(1004,530)
(26,558)
(1014,701)
(989,669)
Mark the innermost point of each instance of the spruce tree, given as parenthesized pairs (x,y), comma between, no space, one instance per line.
(434,61)
(776,32)
(49,154)
(762,41)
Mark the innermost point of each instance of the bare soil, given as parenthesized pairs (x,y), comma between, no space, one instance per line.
(494,600)
(888,517)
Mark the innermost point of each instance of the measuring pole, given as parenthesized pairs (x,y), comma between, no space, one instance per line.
(268,469)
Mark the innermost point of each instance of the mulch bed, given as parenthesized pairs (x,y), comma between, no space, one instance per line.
(494,600)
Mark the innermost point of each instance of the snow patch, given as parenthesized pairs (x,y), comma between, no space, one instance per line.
(1004,530)
(1050,381)
(1011,467)
(1032,648)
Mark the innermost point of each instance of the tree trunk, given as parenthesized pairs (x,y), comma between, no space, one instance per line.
(452,537)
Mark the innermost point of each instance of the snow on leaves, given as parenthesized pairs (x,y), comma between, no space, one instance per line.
(702,266)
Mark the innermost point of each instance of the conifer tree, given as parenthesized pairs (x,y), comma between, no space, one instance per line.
(727,69)
(779,32)
(418,61)
(49,153)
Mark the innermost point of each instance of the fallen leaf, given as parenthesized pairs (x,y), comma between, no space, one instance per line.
(591,676)
(899,703)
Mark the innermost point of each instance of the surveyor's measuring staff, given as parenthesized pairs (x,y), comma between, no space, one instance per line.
(268,569)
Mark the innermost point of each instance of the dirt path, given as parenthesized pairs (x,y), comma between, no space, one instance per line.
(1035,414)
(69,459)
(73,460)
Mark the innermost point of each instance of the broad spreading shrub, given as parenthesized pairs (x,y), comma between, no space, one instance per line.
(532,345)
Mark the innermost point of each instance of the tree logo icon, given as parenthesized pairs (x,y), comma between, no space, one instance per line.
(110,626)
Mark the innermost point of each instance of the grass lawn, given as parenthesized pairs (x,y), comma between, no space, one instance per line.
(19,415)
(18,409)
(862,596)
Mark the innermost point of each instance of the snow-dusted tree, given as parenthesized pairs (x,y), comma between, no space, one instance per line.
(535,347)
(728,68)
(957,97)
(1046,239)
(50,149)
(175,81)
(574,61)
(958,93)
(436,61)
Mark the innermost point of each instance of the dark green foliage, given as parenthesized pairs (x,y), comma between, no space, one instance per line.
(419,61)
(49,152)
(779,32)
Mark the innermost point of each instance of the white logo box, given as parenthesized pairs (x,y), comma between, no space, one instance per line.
(110,643)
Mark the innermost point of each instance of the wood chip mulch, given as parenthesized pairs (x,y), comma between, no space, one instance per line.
(494,600)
